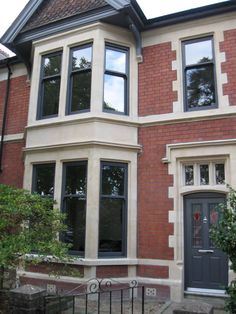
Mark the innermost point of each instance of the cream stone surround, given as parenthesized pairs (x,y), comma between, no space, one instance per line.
(176,156)
(175,34)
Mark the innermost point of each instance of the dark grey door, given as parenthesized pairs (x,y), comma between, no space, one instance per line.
(205,265)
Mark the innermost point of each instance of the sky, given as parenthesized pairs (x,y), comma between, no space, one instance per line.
(151,8)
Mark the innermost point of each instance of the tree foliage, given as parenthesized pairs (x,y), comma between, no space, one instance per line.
(224,236)
(28,223)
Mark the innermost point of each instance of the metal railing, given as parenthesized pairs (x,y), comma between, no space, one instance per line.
(101,296)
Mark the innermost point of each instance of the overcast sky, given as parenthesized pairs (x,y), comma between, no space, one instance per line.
(151,8)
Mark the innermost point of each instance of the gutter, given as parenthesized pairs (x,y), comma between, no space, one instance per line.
(4,119)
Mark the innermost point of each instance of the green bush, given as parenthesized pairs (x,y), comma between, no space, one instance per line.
(28,223)
(224,237)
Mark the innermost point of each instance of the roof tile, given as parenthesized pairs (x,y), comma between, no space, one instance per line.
(53,10)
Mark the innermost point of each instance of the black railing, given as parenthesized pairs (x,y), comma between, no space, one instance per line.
(102,296)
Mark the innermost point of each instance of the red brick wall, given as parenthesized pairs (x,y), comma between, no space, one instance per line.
(17,111)
(153,179)
(229,47)
(12,164)
(111,271)
(155,80)
(153,271)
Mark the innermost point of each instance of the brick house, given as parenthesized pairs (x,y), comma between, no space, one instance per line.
(129,124)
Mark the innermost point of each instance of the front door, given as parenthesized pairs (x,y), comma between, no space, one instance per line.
(206,267)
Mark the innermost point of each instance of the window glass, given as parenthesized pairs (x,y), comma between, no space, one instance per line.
(51,97)
(200,87)
(79,91)
(116,80)
(198,52)
(74,205)
(197,225)
(199,74)
(52,65)
(220,173)
(49,90)
(204,174)
(114,88)
(43,179)
(115,60)
(82,58)
(189,175)
(113,215)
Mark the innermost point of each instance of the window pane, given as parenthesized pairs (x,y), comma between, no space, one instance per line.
(114,91)
(198,52)
(200,86)
(204,174)
(76,180)
(52,65)
(197,225)
(81,58)
(113,180)
(220,173)
(110,225)
(44,179)
(76,210)
(115,60)
(51,91)
(189,175)
(214,215)
(81,91)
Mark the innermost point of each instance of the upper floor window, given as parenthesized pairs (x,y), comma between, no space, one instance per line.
(50,82)
(80,79)
(199,74)
(116,80)
(43,179)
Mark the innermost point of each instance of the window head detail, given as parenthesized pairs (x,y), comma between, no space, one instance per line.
(199,74)
(212,173)
(79,91)
(49,90)
(116,80)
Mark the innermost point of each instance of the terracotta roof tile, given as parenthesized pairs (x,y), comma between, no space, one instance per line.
(53,10)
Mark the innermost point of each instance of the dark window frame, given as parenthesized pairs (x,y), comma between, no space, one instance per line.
(123,252)
(41,85)
(71,73)
(125,76)
(198,65)
(34,176)
(64,196)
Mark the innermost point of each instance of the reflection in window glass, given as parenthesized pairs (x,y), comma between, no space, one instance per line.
(115,60)
(51,97)
(198,52)
(189,175)
(80,79)
(74,205)
(220,173)
(50,86)
(114,89)
(200,86)
(204,174)
(81,58)
(199,76)
(214,214)
(43,179)
(115,80)
(113,215)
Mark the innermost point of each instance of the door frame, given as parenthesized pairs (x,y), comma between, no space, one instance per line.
(196,195)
